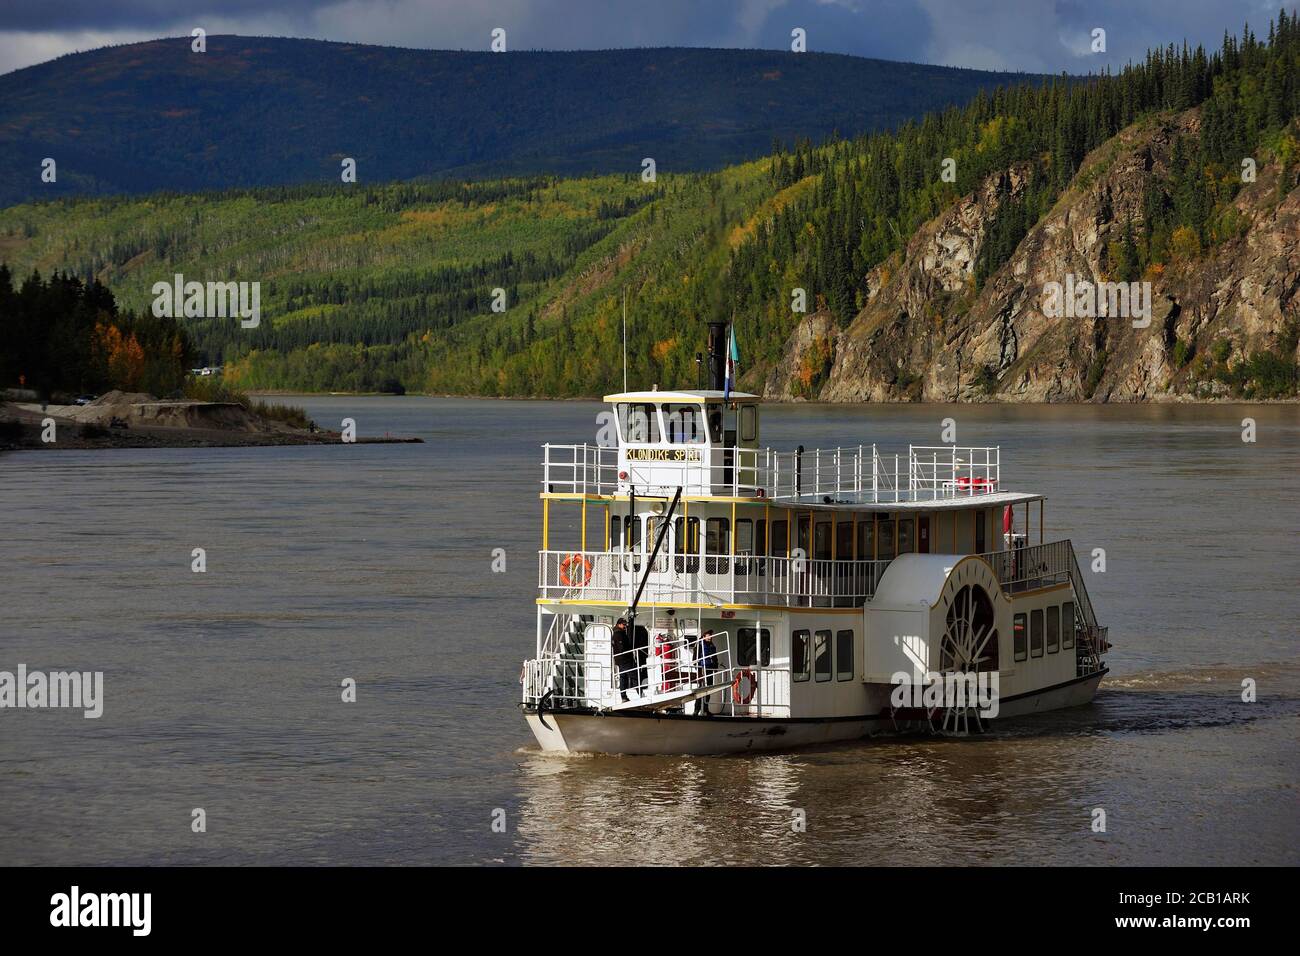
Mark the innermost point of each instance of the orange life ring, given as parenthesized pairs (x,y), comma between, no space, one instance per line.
(575,570)
(736,696)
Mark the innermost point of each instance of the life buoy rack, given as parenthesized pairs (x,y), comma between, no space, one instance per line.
(575,570)
(736,695)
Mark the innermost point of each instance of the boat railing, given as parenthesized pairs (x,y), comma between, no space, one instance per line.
(1032,566)
(853,475)
(669,668)
(1045,565)
(707,579)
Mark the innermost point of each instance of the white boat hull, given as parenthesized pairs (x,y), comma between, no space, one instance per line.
(650,733)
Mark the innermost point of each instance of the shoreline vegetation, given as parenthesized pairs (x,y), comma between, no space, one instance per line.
(124,420)
(852,268)
(91,375)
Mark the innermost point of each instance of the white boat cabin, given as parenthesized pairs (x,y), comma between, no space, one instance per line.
(823,575)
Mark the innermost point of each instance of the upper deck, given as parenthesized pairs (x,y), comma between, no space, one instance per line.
(861,475)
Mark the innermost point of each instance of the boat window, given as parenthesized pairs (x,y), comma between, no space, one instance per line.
(780,538)
(1067,625)
(1053,629)
(760,542)
(822,541)
(844,541)
(799,655)
(906,542)
(631,534)
(638,422)
(652,535)
(686,534)
(717,541)
(684,425)
(714,414)
(1018,630)
(885,539)
(866,539)
(744,536)
(717,536)
(980,540)
(1036,633)
(748,423)
(754,647)
(822,655)
(844,655)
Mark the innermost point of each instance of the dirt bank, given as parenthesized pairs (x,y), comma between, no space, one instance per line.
(136,420)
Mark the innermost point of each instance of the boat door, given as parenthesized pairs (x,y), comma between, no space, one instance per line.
(923,534)
(601,676)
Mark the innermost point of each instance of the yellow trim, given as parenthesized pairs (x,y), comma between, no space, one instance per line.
(1051,587)
(584,524)
(733,529)
(607,528)
(546,525)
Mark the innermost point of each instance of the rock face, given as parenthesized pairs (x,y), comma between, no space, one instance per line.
(926,335)
(804,367)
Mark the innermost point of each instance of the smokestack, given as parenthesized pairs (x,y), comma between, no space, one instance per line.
(717,355)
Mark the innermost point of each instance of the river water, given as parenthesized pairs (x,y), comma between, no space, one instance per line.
(373,562)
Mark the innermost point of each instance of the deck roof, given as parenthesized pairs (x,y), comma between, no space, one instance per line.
(957,502)
(685,396)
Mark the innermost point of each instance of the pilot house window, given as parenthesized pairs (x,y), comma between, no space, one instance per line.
(639,423)
(683,424)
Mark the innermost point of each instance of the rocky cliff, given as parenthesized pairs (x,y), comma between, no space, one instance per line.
(927,334)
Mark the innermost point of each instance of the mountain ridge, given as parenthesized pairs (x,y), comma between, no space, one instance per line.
(258,111)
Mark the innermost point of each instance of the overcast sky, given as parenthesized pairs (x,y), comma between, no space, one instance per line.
(1028,35)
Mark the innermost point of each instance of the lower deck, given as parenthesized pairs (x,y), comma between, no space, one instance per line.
(814,663)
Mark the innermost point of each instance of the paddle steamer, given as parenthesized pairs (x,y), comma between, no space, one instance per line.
(849,591)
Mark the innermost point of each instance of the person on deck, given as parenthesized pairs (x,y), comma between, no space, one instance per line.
(641,646)
(620,645)
(706,661)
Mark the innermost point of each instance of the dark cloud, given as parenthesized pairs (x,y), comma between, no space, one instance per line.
(887,29)
(1028,35)
(91,15)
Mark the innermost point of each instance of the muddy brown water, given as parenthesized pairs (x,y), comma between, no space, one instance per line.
(222,689)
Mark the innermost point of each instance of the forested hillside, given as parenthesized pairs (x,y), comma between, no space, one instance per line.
(258,111)
(394,284)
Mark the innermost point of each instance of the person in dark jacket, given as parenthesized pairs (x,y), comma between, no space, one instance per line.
(706,661)
(641,644)
(624,660)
